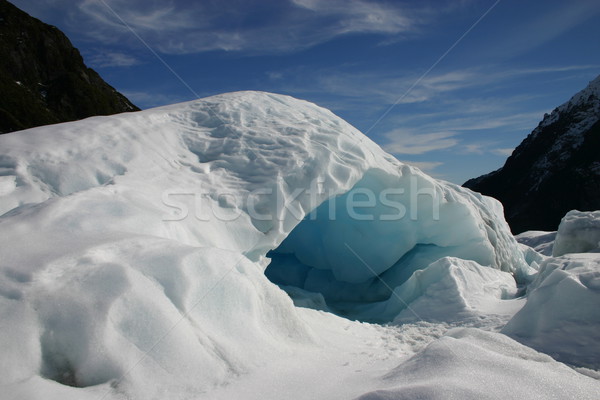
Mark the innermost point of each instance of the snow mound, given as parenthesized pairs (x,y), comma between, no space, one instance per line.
(472,364)
(578,232)
(449,290)
(134,246)
(561,315)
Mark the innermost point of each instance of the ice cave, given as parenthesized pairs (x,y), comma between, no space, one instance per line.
(351,252)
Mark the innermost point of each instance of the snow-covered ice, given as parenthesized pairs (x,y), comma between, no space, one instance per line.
(561,315)
(136,252)
(578,232)
(470,363)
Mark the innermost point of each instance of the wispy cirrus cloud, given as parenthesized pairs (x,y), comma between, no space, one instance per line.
(505,152)
(262,26)
(401,141)
(427,166)
(548,24)
(486,147)
(392,87)
(478,121)
(102,59)
(463,135)
(359,16)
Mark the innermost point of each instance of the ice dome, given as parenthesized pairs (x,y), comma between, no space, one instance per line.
(118,229)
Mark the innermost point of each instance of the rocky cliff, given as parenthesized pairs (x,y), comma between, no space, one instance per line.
(554,170)
(43,79)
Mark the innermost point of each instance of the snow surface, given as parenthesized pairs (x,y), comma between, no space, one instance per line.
(561,315)
(578,232)
(134,249)
(473,364)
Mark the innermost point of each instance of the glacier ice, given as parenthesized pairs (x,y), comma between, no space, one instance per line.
(578,232)
(452,289)
(561,315)
(134,247)
(353,256)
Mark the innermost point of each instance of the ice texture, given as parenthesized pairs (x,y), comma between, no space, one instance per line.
(352,260)
(453,289)
(578,232)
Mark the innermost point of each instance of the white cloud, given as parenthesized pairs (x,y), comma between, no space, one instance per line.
(112,59)
(506,152)
(180,27)
(474,148)
(274,75)
(142,16)
(473,121)
(359,15)
(379,87)
(489,147)
(427,166)
(396,87)
(406,142)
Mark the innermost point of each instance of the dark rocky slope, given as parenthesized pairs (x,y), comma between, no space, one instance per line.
(43,79)
(554,170)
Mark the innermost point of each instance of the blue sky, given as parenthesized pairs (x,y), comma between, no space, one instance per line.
(450,86)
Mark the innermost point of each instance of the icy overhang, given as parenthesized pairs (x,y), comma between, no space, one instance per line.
(355,248)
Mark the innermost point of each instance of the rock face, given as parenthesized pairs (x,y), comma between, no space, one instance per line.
(43,79)
(554,170)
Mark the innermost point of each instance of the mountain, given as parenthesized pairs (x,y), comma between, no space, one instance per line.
(43,79)
(554,170)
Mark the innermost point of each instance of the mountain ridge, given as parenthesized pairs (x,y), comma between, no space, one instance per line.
(555,169)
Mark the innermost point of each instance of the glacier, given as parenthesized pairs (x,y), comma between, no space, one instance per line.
(144,255)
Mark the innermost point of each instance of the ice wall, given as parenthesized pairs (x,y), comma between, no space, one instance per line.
(578,232)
